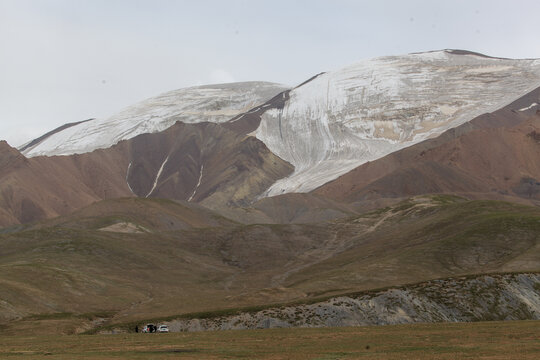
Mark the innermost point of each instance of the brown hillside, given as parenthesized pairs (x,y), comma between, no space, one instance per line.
(205,163)
(494,156)
(10,158)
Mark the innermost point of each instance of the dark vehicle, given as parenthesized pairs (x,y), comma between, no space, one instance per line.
(149,328)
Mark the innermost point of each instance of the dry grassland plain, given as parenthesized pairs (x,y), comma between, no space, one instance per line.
(482,340)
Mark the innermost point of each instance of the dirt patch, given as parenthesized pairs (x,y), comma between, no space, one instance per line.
(124,227)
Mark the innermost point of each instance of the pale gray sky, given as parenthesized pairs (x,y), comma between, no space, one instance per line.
(68,60)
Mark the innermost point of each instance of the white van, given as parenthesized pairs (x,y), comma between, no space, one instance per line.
(163,329)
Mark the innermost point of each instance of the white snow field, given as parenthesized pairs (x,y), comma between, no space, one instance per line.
(360,113)
(209,103)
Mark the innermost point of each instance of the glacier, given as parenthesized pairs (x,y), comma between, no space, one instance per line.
(208,103)
(345,118)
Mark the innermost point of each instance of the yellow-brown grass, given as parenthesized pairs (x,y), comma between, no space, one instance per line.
(484,340)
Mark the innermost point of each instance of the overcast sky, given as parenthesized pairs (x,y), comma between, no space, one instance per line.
(65,61)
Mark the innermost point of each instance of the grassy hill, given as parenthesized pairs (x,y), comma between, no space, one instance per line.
(129,259)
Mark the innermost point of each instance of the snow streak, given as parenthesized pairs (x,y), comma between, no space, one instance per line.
(127,182)
(528,107)
(157,176)
(198,183)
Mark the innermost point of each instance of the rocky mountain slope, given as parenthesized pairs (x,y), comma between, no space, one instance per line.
(479,298)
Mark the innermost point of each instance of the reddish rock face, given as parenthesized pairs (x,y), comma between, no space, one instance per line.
(493,156)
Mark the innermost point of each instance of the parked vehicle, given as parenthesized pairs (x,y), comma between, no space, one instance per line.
(163,329)
(149,328)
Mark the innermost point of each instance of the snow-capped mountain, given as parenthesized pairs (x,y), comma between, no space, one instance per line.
(344,118)
(325,127)
(209,103)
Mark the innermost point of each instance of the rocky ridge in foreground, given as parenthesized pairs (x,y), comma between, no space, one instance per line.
(462,299)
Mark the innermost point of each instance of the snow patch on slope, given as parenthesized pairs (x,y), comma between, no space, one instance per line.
(528,107)
(198,184)
(344,118)
(157,177)
(211,103)
(127,179)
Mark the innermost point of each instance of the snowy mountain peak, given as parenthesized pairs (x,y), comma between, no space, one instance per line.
(342,119)
(209,103)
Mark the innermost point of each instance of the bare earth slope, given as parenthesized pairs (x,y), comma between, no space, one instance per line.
(204,163)
(49,186)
